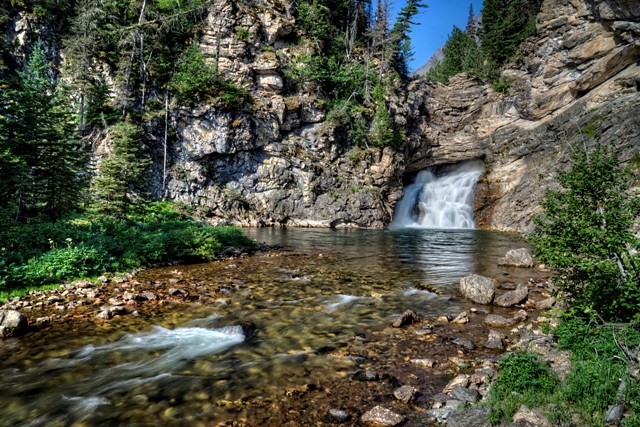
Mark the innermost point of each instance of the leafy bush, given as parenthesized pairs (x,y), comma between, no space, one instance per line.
(41,252)
(587,233)
(522,379)
(196,79)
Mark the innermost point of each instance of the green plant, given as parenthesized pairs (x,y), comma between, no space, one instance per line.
(243,34)
(522,379)
(502,85)
(591,129)
(587,233)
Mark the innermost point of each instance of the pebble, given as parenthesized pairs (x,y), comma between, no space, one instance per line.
(424,362)
(463,342)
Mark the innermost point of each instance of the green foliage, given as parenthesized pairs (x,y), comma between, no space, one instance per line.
(600,361)
(505,24)
(39,151)
(522,379)
(195,79)
(460,55)
(43,252)
(121,176)
(591,129)
(587,233)
(383,133)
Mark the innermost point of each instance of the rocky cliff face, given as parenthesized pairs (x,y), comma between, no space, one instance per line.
(576,85)
(281,162)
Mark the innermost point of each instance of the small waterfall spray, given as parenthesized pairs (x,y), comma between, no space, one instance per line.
(444,201)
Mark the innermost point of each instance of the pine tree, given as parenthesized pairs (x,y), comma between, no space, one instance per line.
(471,22)
(460,55)
(39,145)
(121,178)
(401,36)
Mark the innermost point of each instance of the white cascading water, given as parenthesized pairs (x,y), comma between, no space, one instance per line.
(444,201)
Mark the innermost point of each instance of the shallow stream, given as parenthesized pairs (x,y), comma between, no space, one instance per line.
(188,363)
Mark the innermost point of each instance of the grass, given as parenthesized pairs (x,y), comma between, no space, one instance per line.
(599,357)
(44,253)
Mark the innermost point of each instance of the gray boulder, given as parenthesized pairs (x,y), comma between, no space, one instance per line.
(12,323)
(511,298)
(517,258)
(478,289)
(494,341)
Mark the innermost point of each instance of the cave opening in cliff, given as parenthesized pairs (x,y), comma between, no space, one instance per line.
(440,197)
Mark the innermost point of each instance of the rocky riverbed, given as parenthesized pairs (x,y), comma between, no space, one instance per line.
(419,369)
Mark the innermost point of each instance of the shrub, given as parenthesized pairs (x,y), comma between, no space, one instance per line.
(587,233)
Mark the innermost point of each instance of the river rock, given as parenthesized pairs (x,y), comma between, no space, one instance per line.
(494,341)
(614,414)
(461,380)
(365,375)
(517,258)
(478,289)
(405,393)
(545,304)
(497,321)
(465,394)
(12,323)
(423,362)
(531,416)
(463,342)
(337,415)
(511,298)
(406,318)
(461,319)
(475,417)
(382,416)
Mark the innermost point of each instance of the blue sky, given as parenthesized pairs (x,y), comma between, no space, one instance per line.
(436,23)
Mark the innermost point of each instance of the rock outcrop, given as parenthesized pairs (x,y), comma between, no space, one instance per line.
(577,84)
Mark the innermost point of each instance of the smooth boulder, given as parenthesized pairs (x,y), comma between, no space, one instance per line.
(478,289)
(12,323)
(517,258)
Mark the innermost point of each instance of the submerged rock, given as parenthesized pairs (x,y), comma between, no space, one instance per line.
(382,416)
(12,323)
(337,416)
(406,318)
(367,375)
(478,289)
(497,321)
(517,258)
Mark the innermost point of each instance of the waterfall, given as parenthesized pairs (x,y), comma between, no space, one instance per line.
(444,201)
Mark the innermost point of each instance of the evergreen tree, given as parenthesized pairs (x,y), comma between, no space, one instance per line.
(401,36)
(471,22)
(505,24)
(121,178)
(38,144)
(460,55)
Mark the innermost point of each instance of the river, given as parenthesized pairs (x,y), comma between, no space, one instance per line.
(189,363)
